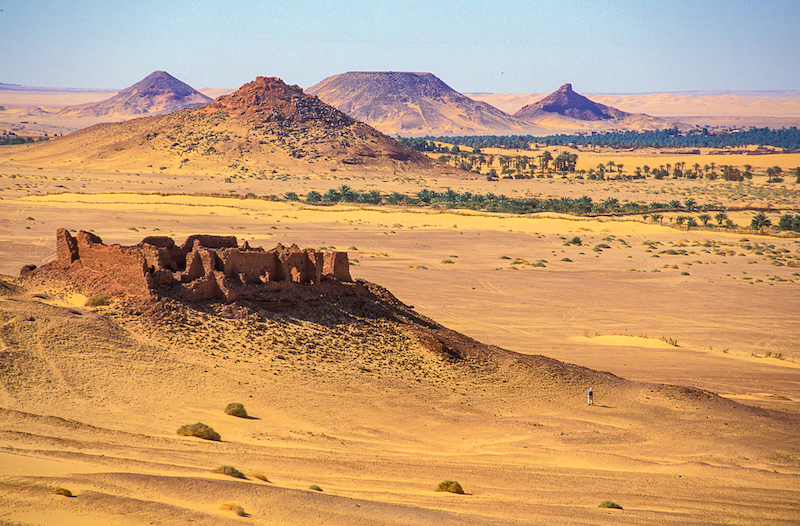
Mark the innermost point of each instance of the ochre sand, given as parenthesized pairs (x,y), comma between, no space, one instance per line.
(377,442)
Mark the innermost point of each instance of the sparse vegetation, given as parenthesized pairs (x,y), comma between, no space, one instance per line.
(609,504)
(230,471)
(314,487)
(96,301)
(236,409)
(199,430)
(232,506)
(64,492)
(450,486)
(258,475)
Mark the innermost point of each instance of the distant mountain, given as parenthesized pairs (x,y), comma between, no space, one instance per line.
(566,102)
(566,110)
(265,125)
(156,94)
(413,104)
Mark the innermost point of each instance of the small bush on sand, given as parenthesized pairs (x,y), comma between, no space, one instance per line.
(450,486)
(96,301)
(232,506)
(63,491)
(236,409)
(199,430)
(230,471)
(258,475)
(315,487)
(609,504)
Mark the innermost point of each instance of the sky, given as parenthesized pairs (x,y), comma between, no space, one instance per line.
(499,46)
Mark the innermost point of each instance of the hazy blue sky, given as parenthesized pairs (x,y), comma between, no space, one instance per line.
(501,46)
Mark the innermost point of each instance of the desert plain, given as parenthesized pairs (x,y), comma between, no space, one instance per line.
(689,338)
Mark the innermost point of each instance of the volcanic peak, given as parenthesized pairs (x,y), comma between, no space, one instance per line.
(565,101)
(162,83)
(157,93)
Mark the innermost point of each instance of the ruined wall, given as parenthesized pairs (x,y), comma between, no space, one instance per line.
(127,265)
(203,267)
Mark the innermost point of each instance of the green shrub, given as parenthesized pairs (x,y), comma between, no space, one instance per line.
(199,430)
(315,487)
(609,504)
(236,409)
(450,486)
(230,471)
(63,491)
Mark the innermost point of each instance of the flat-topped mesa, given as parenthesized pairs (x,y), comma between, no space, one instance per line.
(204,267)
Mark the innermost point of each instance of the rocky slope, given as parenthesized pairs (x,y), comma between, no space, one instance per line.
(264,126)
(413,104)
(156,94)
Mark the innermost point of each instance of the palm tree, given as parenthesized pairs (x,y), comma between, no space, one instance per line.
(704,218)
(346,193)
(544,160)
(760,222)
(720,217)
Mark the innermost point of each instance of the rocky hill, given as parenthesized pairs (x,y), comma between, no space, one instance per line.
(156,94)
(566,109)
(264,126)
(413,104)
(566,102)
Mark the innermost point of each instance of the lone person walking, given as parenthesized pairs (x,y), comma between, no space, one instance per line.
(591,396)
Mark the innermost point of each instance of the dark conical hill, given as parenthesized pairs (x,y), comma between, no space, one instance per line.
(564,101)
(157,93)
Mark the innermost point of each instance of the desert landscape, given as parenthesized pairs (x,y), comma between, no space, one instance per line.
(265,309)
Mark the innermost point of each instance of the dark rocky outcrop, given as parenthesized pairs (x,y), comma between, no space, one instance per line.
(157,93)
(564,101)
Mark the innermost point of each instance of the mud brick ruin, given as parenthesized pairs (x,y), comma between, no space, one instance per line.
(204,267)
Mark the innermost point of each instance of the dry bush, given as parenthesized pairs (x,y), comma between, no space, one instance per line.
(96,301)
(199,430)
(230,471)
(232,506)
(63,491)
(609,504)
(315,487)
(236,409)
(450,486)
(258,475)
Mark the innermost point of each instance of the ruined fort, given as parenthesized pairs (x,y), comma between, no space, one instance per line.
(204,267)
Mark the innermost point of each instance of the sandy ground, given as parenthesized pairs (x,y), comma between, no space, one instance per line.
(96,409)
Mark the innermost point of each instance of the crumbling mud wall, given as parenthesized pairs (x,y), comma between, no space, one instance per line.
(204,267)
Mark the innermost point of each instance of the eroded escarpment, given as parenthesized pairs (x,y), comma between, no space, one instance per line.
(203,267)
